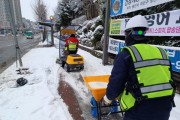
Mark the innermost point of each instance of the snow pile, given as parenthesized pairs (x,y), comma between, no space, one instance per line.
(38,99)
(97,85)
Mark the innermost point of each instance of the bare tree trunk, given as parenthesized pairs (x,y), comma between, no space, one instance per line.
(40,11)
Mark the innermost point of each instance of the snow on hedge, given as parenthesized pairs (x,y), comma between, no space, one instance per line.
(91,32)
(91,21)
(100,27)
(79,20)
(87,26)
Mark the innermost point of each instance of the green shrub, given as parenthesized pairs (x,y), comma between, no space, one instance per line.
(97,36)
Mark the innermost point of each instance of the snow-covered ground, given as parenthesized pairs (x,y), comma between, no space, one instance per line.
(39,98)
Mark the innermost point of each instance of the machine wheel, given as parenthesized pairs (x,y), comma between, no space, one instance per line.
(66,67)
(82,68)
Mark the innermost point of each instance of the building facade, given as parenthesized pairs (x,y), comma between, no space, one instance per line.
(5,16)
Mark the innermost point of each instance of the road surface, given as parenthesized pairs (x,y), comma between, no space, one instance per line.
(8,51)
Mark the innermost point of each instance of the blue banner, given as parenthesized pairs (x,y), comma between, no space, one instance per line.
(116,7)
(174,56)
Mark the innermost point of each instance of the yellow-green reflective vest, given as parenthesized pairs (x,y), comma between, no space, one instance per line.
(72,46)
(152,66)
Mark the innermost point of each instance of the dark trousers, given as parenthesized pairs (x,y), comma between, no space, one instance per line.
(66,52)
(154,109)
(72,52)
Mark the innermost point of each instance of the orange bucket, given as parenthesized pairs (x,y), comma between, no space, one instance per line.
(98,93)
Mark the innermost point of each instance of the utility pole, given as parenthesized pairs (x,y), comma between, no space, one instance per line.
(14,30)
(106,34)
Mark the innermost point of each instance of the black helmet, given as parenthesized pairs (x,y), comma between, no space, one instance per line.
(72,35)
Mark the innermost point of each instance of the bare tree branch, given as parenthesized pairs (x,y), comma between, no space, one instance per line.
(40,10)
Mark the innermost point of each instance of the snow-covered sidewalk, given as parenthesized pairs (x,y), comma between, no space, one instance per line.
(39,98)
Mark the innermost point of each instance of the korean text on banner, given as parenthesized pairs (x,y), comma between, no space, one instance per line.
(174,56)
(115,47)
(115,26)
(160,24)
(119,7)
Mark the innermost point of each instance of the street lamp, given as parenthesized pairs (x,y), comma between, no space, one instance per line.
(51,18)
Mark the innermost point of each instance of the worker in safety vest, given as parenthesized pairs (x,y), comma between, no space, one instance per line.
(141,77)
(71,45)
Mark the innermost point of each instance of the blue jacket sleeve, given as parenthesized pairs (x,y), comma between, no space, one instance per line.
(118,76)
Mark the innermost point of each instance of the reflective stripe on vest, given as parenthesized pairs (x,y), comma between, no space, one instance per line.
(136,53)
(163,53)
(154,88)
(151,63)
(138,56)
(153,77)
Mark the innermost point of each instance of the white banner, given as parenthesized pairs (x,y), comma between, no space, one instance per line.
(161,24)
(119,7)
(115,45)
